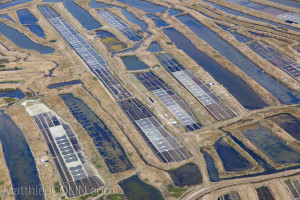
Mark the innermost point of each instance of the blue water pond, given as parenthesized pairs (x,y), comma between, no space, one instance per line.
(23,41)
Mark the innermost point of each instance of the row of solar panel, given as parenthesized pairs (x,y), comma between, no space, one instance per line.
(168,156)
(178,108)
(165,147)
(44,122)
(151,81)
(202,93)
(174,104)
(248,4)
(63,145)
(171,155)
(188,80)
(212,103)
(229,196)
(48,12)
(267,9)
(105,76)
(294,188)
(82,187)
(264,193)
(119,25)
(277,59)
(173,97)
(94,61)
(82,184)
(111,82)
(291,17)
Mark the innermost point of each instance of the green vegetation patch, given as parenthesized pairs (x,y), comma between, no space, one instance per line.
(28,94)
(8,89)
(232,143)
(247,120)
(116,197)
(175,191)
(9,100)
(57,187)
(93,194)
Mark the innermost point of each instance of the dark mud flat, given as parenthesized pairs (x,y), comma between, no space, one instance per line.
(112,43)
(186,175)
(20,161)
(136,46)
(135,189)
(107,145)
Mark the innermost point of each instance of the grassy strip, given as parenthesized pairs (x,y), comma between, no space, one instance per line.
(175,191)
(9,100)
(93,194)
(8,89)
(115,197)
(57,187)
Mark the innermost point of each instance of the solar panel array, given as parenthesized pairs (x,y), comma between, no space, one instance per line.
(76,176)
(229,196)
(248,4)
(168,97)
(267,9)
(277,59)
(119,25)
(93,60)
(164,145)
(264,193)
(212,103)
(291,16)
(294,188)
